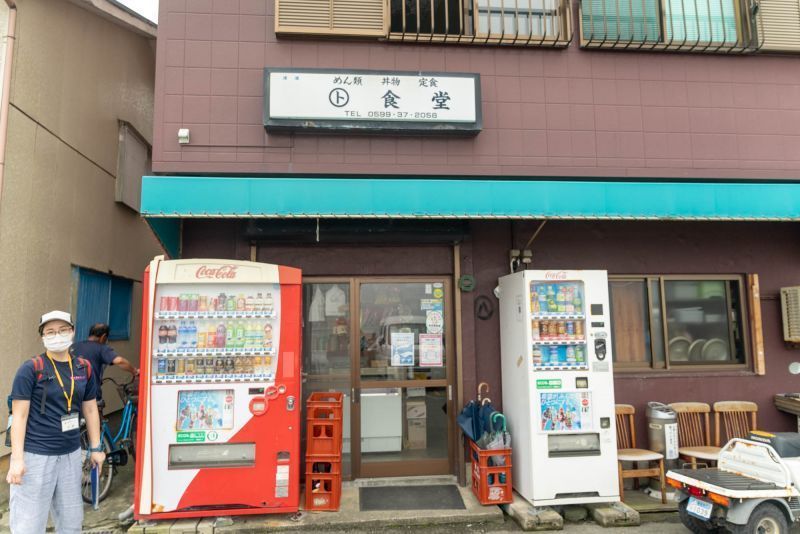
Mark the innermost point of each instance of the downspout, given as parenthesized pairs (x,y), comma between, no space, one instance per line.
(4,102)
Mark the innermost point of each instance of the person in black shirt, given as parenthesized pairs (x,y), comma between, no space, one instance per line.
(45,470)
(100,354)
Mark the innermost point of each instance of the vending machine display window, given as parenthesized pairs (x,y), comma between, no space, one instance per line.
(558,325)
(217,333)
(205,409)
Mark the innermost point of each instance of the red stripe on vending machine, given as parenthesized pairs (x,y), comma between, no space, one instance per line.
(219,425)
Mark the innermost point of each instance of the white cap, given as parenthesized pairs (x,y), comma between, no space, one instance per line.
(55,315)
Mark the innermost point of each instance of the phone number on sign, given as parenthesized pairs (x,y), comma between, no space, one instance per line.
(401,115)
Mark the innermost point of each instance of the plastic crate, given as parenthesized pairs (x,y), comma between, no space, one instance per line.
(324,437)
(326,399)
(314,411)
(326,464)
(323,491)
(491,484)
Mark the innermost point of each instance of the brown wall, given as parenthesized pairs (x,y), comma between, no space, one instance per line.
(546,112)
(772,250)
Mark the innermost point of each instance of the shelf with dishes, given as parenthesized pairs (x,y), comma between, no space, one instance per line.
(685,349)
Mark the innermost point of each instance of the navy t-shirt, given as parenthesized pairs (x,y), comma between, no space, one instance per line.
(99,355)
(43,434)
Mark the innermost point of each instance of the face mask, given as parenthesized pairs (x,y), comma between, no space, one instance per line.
(59,343)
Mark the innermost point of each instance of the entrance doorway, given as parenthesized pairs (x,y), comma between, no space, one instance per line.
(386,343)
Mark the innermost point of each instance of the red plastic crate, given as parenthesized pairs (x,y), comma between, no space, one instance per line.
(323,491)
(323,412)
(491,484)
(326,464)
(324,437)
(326,399)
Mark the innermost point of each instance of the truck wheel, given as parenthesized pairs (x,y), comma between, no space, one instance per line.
(765,519)
(695,525)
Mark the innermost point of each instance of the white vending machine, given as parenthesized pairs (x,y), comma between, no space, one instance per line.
(558,386)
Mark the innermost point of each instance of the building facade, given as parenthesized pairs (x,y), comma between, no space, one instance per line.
(77,120)
(658,143)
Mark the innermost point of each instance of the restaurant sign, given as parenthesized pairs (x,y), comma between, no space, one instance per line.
(427,103)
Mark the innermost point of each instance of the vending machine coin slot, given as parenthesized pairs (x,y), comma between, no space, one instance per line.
(596,309)
(605,422)
(600,348)
(598,324)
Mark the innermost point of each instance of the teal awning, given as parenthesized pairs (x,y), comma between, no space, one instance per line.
(178,197)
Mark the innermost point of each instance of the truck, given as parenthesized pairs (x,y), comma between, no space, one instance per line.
(752,490)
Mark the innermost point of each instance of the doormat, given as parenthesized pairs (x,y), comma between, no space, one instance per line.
(435,497)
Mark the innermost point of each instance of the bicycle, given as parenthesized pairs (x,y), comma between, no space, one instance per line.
(116,446)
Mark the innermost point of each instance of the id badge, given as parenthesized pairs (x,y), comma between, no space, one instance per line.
(69,422)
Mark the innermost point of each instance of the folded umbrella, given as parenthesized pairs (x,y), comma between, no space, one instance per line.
(469,420)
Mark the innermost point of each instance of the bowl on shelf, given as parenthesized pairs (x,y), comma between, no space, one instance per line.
(679,349)
(696,350)
(715,350)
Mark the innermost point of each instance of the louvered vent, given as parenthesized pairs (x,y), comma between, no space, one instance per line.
(790,310)
(355,18)
(780,22)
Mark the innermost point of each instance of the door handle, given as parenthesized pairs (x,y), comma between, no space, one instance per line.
(355,398)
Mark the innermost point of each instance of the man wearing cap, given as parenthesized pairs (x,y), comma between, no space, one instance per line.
(48,393)
(100,354)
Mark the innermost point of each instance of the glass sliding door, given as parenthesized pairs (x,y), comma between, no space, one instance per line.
(387,345)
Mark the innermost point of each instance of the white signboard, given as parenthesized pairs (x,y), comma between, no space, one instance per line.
(312,99)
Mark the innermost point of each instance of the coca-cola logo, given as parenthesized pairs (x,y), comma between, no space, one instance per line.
(221,272)
(555,275)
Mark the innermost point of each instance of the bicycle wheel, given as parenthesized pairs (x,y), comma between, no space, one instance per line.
(132,444)
(106,472)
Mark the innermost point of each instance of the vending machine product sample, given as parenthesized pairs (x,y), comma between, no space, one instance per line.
(219,408)
(558,386)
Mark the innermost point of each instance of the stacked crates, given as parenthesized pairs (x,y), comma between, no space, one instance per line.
(324,451)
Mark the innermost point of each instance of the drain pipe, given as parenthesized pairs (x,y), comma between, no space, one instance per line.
(4,102)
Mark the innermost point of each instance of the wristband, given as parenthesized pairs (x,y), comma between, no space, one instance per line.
(99,448)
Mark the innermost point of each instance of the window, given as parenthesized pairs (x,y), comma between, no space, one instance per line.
(690,25)
(678,323)
(513,22)
(102,298)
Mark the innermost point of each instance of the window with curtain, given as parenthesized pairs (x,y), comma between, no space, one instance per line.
(692,25)
(102,298)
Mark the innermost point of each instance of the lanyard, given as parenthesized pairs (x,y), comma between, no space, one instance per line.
(61,382)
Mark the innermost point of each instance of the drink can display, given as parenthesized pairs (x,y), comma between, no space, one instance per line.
(202,339)
(580,354)
(162,365)
(171,365)
(219,365)
(183,302)
(238,365)
(163,304)
(535,330)
(190,367)
(172,303)
(258,365)
(180,366)
(562,329)
(570,328)
(571,354)
(537,355)
(203,304)
(554,354)
(579,329)
(553,329)
(229,364)
(208,368)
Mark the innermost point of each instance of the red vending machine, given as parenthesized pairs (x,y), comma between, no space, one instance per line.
(219,405)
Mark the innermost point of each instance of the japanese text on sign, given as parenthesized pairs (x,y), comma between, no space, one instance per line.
(374,97)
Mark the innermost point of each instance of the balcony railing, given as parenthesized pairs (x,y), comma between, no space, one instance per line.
(498,22)
(727,26)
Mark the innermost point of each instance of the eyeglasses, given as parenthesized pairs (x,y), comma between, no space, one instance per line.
(50,334)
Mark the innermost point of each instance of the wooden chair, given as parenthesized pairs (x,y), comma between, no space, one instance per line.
(627,452)
(694,432)
(735,418)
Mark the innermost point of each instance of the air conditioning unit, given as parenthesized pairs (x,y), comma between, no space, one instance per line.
(790,312)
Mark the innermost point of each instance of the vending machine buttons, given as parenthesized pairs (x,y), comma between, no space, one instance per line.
(258,406)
